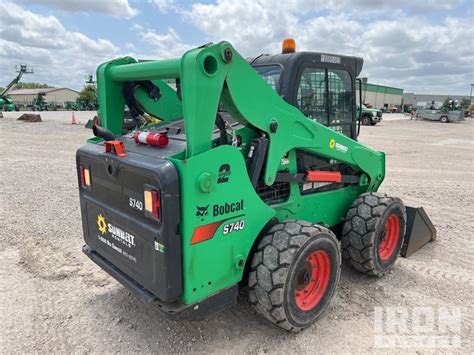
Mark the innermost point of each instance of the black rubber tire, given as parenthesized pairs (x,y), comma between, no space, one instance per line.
(444,119)
(366,120)
(274,269)
(363,229)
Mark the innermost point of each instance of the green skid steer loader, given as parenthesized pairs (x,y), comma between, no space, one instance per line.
(252,179)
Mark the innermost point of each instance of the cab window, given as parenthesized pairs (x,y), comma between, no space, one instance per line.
(312,96)
(325,95)
(340,101)
(271,74)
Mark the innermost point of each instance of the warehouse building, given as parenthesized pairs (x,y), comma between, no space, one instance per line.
(382,97)
(26,97)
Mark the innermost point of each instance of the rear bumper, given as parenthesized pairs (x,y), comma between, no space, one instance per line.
(175,309)
(120,276)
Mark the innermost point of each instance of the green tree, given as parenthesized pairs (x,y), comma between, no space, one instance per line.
(31,86)
(88,94)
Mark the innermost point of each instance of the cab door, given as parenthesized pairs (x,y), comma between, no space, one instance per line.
(326,95)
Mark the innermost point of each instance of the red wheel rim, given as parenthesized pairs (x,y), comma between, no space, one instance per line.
(389,238)
(313,279)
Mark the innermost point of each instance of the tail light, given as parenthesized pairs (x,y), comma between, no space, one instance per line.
(152,203)
(85,177)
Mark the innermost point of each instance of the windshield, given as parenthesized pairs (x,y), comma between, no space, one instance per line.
(271,74)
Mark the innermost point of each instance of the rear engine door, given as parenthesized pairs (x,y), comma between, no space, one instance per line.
(130,214)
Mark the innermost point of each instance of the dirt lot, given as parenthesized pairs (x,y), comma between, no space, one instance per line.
(53,299)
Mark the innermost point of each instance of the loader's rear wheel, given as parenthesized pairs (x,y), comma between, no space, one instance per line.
(373,233)
(294,274)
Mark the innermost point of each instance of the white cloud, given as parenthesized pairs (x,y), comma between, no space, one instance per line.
(130,46)
(59,57)
(256,26)
(390,6)
(401,45)
(337,34)
(167,45)
(115,8)
(420,56)
(164,5)
(401,50)
(249,25)
(137,27)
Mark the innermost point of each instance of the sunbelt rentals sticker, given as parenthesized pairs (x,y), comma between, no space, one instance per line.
(117,233)
(338,146)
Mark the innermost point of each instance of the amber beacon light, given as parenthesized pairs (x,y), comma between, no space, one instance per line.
(288,45)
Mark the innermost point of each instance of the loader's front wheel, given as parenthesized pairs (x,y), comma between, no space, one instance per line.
(294,274)
(373,233)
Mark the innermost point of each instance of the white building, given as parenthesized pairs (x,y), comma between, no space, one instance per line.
(26,97)
(382,97)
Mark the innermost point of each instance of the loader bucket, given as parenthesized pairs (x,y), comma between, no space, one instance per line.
(420,230)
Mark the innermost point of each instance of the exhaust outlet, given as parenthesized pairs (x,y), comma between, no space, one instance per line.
(102,132)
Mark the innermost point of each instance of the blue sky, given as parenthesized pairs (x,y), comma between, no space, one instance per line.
(422,46)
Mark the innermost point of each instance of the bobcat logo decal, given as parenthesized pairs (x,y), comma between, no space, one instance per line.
(201,211)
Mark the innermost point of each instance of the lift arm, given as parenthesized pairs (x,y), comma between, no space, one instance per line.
(218,73)
(23,69)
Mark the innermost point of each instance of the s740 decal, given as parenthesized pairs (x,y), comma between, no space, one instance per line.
(232,227)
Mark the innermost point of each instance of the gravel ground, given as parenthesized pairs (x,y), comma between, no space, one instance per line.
(53,299)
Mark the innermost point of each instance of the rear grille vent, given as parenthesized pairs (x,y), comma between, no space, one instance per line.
(277,193)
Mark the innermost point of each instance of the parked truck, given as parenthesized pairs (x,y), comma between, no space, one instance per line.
(369,116)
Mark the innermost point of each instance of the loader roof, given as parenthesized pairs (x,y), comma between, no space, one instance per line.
(290,60)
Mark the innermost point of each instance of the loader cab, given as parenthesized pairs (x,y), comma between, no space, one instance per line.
(321,85)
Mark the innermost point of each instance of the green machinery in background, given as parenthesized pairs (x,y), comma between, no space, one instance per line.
(81,105)
(93,104)
(40,104)
(252,179)
(7,104)
(71,106)
(90,104)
